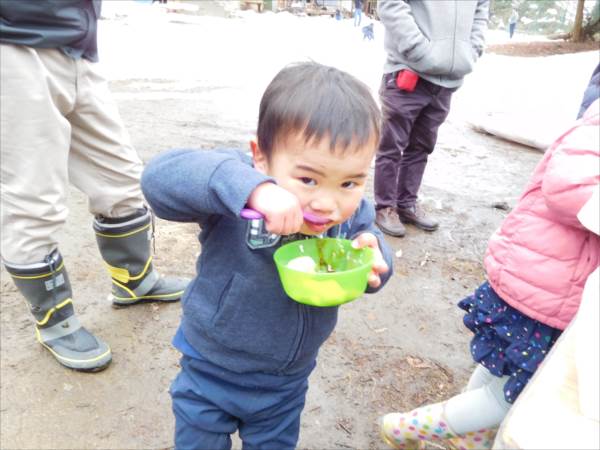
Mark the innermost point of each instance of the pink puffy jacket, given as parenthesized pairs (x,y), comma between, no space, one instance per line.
(540,257)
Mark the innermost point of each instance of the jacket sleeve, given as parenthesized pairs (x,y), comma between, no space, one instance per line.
(191,185)
(363,221)
(400,24)
(480,24)
(572,172)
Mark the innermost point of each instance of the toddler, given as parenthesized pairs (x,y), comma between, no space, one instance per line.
(536,264)
(248,349)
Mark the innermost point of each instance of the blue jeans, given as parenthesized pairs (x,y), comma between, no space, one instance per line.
(511,29)
(357,14)
(591,93)
(211,403)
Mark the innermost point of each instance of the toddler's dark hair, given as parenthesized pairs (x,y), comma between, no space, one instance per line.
(318,101)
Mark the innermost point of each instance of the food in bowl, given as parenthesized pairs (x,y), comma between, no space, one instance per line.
(324,271)
(303,264)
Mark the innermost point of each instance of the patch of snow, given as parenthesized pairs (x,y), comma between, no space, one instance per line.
(227,63)
(547,20)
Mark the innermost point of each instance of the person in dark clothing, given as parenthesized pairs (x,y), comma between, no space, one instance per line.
(430,47)
(60,125)
(591,93)
(512,23)
(247,348)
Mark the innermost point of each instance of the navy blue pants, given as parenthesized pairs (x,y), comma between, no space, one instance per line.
(408,135)
(592,92)
(211,403)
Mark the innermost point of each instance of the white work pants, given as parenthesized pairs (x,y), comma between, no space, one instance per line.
(59,124)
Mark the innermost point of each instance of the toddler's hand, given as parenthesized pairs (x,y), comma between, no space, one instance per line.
(281,208)
(379,264)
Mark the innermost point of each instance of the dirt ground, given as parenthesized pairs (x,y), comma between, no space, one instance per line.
(395,350)
(545,48)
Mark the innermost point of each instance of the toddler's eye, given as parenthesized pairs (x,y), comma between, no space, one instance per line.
(349,184)
(308,181)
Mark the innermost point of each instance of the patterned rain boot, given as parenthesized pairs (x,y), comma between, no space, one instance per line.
(46,288)
(476,440)
(410,430)
(125,247)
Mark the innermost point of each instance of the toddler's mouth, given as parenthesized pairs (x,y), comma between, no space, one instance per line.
(318,228)
(315,219)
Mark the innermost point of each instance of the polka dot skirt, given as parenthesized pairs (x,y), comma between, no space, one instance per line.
(506,341)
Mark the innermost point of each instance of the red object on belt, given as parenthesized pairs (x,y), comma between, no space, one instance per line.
(407,80)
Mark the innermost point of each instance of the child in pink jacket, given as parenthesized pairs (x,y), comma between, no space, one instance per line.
(536,263)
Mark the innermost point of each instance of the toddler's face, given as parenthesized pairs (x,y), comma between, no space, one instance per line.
(328,184)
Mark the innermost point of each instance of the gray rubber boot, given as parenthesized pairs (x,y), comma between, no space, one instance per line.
(125,247)
(48,291)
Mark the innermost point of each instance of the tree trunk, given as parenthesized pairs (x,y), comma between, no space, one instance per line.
(578,26)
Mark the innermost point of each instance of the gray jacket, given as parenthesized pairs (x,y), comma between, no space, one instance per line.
(439,40)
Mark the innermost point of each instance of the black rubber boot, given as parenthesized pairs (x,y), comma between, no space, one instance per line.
(48,291)
(125,247)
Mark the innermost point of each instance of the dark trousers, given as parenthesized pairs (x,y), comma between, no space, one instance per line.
(211,403)
(409,133)
(591,93)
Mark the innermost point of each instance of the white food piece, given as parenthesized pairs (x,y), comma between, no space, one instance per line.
(303,264)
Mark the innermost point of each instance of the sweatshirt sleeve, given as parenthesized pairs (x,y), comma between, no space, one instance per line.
(480,23)
(187,185)
(400,24)
(572,173)
(363,221)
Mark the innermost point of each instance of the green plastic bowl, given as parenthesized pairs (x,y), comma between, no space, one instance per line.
(347,282)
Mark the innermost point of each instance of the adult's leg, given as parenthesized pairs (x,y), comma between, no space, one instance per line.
(35,137)
(37,91)
(591,93)
(421,141)
(104,165)
(400,109)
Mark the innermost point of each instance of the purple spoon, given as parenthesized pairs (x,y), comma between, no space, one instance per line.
(251,214)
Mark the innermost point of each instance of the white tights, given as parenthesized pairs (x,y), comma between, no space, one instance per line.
(481,405)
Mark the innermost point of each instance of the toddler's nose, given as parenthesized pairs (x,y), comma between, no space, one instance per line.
(323,206)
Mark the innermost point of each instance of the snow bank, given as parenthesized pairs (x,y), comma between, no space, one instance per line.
(236,58)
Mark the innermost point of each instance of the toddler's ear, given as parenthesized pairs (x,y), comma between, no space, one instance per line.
(258,157)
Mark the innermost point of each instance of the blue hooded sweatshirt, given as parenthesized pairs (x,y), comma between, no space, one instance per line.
(235,311)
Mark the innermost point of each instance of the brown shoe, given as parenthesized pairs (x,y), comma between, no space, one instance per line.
(387,220)
(417,217)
